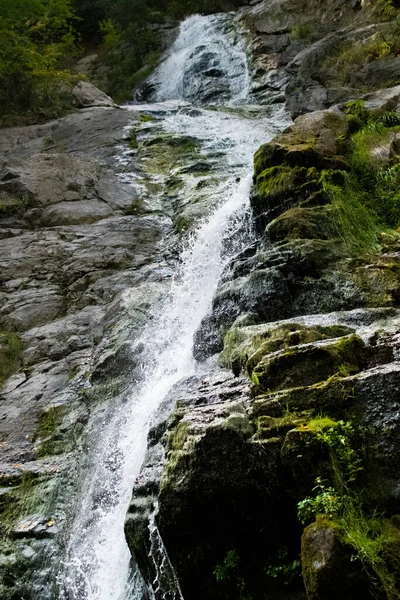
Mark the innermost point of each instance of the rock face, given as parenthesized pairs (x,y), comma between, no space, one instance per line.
(308,322)
(87,96)
(74,237)
(317,54)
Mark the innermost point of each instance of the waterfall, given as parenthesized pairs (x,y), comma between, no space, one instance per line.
(207,64)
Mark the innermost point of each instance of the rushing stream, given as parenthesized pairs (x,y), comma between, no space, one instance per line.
(201,91)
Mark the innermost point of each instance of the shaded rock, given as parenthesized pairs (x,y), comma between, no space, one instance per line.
(377,73)
(85,64)
(210,425)
(327,569)
(75,213)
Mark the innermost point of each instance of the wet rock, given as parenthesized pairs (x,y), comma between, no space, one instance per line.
(211,426)
(36,526)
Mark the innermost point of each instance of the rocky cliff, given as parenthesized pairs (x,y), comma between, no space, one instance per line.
(273,473)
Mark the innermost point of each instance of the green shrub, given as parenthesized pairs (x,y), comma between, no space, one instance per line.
(327,501)
(355,224)
(38,44)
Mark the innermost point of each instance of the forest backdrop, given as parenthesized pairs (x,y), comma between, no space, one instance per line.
(41,41)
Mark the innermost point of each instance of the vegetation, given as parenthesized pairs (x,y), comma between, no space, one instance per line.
(374,539)
(41,40)
(350,56)
(366,199)
(229,573)
(10,352)
(38,42)
(302,31)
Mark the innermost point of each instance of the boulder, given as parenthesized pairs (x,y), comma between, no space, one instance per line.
(383,100)
(328,572)
(87,95)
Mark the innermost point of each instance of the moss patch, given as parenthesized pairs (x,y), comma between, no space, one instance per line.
(302,223)
(244,347)
(304,366)
(10,354)
(51,439)
(163,153)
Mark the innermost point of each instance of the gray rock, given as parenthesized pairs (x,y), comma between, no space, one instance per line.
(386,100)
(87,95)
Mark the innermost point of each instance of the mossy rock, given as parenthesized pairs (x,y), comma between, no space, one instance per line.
(302,223)
(308,365)
(233,485)
(379,283)
(279,187)
(48,437)
(315,256)
(268,426)
(328,570)
(306,458)
(162,153)
(244,347)
(310,142)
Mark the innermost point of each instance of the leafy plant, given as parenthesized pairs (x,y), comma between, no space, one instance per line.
(38,41)
(327,501)
(283,568)
(229,572)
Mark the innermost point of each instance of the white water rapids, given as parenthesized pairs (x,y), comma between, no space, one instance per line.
(206,64)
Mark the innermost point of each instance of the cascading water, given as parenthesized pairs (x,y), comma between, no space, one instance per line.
(206,63)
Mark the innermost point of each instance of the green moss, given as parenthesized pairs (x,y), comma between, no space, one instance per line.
(18,502)
(281,181)
(178,437)
(353,55)
(52,441)
(302,31)
(379,283)
(244,347)
(182,224)
(132,141)
(271,426)
(302,223)
(165,152)
(10,354)
(319,423)
(145,118)
(305,366)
